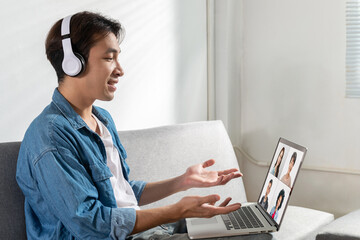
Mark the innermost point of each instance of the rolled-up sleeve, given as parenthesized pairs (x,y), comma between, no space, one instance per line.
(138,188)
(122,222)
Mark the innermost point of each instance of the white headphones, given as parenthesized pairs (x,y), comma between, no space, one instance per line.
(73,63)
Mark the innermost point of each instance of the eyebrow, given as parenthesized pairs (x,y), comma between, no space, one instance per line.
(112,50)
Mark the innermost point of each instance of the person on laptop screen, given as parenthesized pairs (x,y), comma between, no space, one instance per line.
(71,165)
(265,199)
(287,178)
(279,201)
(275,170)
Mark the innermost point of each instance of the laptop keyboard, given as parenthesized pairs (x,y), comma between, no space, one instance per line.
(243,218)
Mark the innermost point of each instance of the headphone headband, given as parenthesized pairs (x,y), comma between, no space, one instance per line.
(65,26)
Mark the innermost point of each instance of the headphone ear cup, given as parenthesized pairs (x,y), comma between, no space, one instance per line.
(72,65)
(82,61)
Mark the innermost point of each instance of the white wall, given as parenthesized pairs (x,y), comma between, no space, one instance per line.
(227,60)
(163,55)
(293,85)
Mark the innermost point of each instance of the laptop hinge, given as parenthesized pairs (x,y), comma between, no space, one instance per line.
(269,219)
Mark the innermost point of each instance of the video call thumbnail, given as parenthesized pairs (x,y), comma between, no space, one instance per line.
(280,179)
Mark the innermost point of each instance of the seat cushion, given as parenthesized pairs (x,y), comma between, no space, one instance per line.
(302,223)
(343,228)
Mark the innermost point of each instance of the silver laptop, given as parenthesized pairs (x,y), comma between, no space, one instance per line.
(267,213)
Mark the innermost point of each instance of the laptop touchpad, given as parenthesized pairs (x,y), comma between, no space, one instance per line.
(198,221)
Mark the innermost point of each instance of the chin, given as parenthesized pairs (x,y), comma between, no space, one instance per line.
(107,98)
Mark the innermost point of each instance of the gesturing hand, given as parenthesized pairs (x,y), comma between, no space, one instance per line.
(198,176)
(194,206)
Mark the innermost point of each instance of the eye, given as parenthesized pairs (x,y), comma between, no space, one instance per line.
(109,59)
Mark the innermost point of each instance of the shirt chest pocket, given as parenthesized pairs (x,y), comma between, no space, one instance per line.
(100,172)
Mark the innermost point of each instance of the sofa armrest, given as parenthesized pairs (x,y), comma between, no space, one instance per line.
(343,228)
(302,223)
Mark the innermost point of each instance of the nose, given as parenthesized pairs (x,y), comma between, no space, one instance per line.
(119,71)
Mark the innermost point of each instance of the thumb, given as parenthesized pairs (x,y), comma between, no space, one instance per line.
(226,202)
(208,163)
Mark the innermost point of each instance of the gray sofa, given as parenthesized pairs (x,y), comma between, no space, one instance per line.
(163,152)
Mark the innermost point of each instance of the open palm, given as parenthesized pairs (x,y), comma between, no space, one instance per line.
(199,176)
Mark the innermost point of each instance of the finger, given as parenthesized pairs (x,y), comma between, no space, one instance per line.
(226,179)
(228,171)
(234,205)
(222,210)
(208,163)
(225,202)
(219,181)
(237,175)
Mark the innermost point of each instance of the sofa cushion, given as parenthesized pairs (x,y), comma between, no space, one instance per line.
(302,223)
(343,228)
(12,217)
(159,153)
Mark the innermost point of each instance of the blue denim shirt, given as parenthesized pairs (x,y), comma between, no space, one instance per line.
(63,174)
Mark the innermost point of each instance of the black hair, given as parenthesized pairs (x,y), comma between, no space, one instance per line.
(293,157)
(281,193)
(278,167)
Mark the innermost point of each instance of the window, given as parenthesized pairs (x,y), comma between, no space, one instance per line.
(353,48)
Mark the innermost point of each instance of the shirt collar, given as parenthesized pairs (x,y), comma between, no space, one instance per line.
(69,113)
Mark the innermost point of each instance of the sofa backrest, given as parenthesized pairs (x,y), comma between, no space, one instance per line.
(164,152)
(12,218)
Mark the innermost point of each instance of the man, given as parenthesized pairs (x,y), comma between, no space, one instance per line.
(71,164)
(265,199)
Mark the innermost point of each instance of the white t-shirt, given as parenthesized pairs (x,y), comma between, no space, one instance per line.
(124,195)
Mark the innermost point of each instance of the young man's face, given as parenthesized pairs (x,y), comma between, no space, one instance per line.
(268,188)
(103,69)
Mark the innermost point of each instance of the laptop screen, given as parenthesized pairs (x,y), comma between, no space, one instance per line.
(280,179)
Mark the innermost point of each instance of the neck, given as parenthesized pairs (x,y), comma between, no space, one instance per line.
(85,112)
(78,101)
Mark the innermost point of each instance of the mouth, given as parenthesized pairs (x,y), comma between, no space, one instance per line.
(111,84)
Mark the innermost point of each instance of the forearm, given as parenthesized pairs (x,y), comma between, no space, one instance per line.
(195,176)
(158,190)
(149,218)
(193,206)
